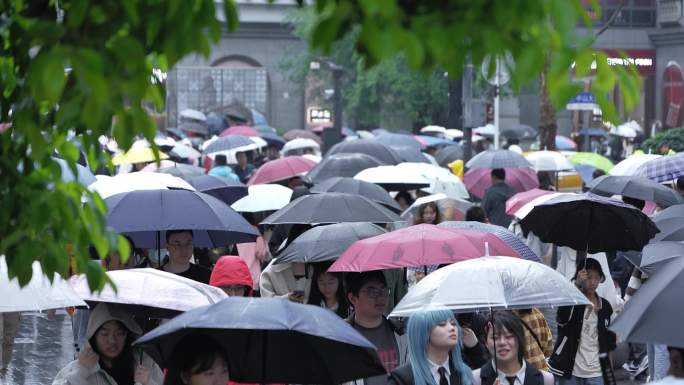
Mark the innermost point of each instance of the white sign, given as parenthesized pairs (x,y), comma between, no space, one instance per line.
(316,115)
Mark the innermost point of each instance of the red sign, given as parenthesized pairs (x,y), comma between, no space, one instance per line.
(673,95)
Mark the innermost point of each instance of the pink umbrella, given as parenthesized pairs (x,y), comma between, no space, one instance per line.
(152,167)
(281,169)
(420,245)
(478,180)
(240,130)
(519,200)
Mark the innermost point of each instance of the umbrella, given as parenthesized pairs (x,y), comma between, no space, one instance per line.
(194,128)
(355,186)
(326,243)
(273,139)
(268,340)
(263,197)
(671,229)
(265,129)
(225,189)
(331,208)
(137,155)
(520,199)
(519,131)
(565,143)
(624,131)
(393,178)
(144,214)
(431,141)
(590,222)
(240,130)
(600,132)
(107,186)
(193,114)
(549,161)
(635,187)
(281,169)
(585,172)
(300,144)
(527,207)
(478,180)
(185,152)
(498,159)
(345,165)
(676,211)
(400,140)
(410,154)
(664,169)
(448,154)
(629,165)
(294,134)
(453,133)
(227,143)
(441,179)
(418,245)
(486,130)
(39,294)
(449,208)
(151,292)
(433,130)
(591,159)
(655,313)
(494,283)
(184,171)
(83,174)
(501,232)
(656,254)
(154,167)
(369,147)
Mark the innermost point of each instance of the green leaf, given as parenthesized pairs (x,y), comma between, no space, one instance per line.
(75,14)
(46,76)
(231,13)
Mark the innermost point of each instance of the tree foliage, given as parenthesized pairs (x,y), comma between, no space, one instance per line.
(71,71)
(673,137)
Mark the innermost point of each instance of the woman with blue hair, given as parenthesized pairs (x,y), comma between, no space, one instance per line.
(434,339)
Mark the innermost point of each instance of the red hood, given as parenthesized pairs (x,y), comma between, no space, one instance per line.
(231,270)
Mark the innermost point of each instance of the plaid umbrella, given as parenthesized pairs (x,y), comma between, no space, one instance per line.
(663,169)
(502,233)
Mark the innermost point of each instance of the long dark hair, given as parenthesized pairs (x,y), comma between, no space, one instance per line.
(194,354)
(315,295)
(421,209)
(123,365)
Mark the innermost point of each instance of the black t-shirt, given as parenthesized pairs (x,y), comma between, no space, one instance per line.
(383,338)
(195,272)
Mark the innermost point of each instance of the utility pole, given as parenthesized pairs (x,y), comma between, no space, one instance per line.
(333,135)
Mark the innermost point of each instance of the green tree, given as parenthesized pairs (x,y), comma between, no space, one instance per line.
(70,71)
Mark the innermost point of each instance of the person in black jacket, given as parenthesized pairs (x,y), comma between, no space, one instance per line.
(434,339)
(580,354)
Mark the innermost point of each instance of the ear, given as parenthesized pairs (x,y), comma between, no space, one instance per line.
(352,298)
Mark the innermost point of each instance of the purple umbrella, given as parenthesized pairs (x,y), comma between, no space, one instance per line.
(478,180)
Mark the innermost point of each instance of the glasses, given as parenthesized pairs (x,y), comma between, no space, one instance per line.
(373,292)
(181,245)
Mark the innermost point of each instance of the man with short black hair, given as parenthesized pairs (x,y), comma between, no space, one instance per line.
(494,201)
(179,246)
(680,186)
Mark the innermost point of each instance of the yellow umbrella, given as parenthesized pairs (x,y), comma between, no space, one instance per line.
(137,155)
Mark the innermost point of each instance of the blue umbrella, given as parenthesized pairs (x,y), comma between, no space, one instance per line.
(273,139)
(225,189)
(229,142)
(663,169)
(501,232)
(258,119)
(145,214)
(434,141)
(270,340)
(586,172)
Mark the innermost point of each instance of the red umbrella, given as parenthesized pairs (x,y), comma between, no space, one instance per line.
(419,245)
(240,130)
(514,203)
(281,169)
(478,180)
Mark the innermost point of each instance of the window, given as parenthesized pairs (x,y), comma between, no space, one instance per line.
(634,13)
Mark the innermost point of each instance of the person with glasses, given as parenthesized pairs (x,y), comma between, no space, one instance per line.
(435,346)
(179,246)
(368,294)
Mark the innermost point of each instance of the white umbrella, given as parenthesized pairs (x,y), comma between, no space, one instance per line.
(631,164)
(164,141)
(263,197)
(363,134)
(108,186)
(454,133)
(527,207)
(312,157)
(394,177)
(441,179)
(185,152)
(624,130)
(38,294)
(156,291)
(433,130)
(549,161)
(491,283)
(489,130)
(447,207)
(193,114)
(300,144)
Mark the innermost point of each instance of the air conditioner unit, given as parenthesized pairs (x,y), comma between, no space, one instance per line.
(670,13)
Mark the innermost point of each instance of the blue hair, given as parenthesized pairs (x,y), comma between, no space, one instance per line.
(419,328)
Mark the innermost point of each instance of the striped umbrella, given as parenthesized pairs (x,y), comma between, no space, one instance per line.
(500,232)
(663,169)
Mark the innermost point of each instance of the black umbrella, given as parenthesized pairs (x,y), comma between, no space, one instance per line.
(655,313)
(498,159)
(326,243)
(225,189)
(269,340)
(657,254)
(345,165)
(590,222)
(410,154)
(635,187)
(331,208)
(519,131)
(400,140)
(448,154)
(195,128)
(355,186)
(184,171)
(225,143)
(369,147)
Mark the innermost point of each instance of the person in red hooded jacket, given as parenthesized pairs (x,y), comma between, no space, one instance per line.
(232,275)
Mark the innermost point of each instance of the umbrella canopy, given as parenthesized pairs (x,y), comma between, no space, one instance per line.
(565,143)
(294,134)
(273,140)
(410,154)
(656,254)
(227,143)
(431,141)
(400,140)
(150,292)
(494,283)
(593,131)
(520,199)
(448,154)
(326,243)
(549,161)
(137,155)
(655,312)
(355,186)
(498,159)
(635,187)
(418,245)
(671,229)
(478,180)
(153,167)
(281,169)
(590,222)
(519,131)
(107,186)
(225,189)
(184,171)
(39,294)
(194,128)
(83,174)
(344,165)
(433,130)
(452,209)
(629,165)
(331,208)
(527,207)
(591,159)
(393,178)
(184,152)
(624,130)
(501,232)
(268,340)
(663,169)
(240,130)
(144,214)
(263,197)
(300,144)
(585,172)
(369,147)
(676,211)
(193,114)
(441,179)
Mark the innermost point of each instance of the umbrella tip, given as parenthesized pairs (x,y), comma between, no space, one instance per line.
(486,249)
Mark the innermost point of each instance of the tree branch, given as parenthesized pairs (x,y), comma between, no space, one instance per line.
(612,18)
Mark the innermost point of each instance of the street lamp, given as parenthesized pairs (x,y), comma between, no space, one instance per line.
(333,135)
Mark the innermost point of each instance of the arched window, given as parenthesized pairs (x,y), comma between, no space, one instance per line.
(236,61)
